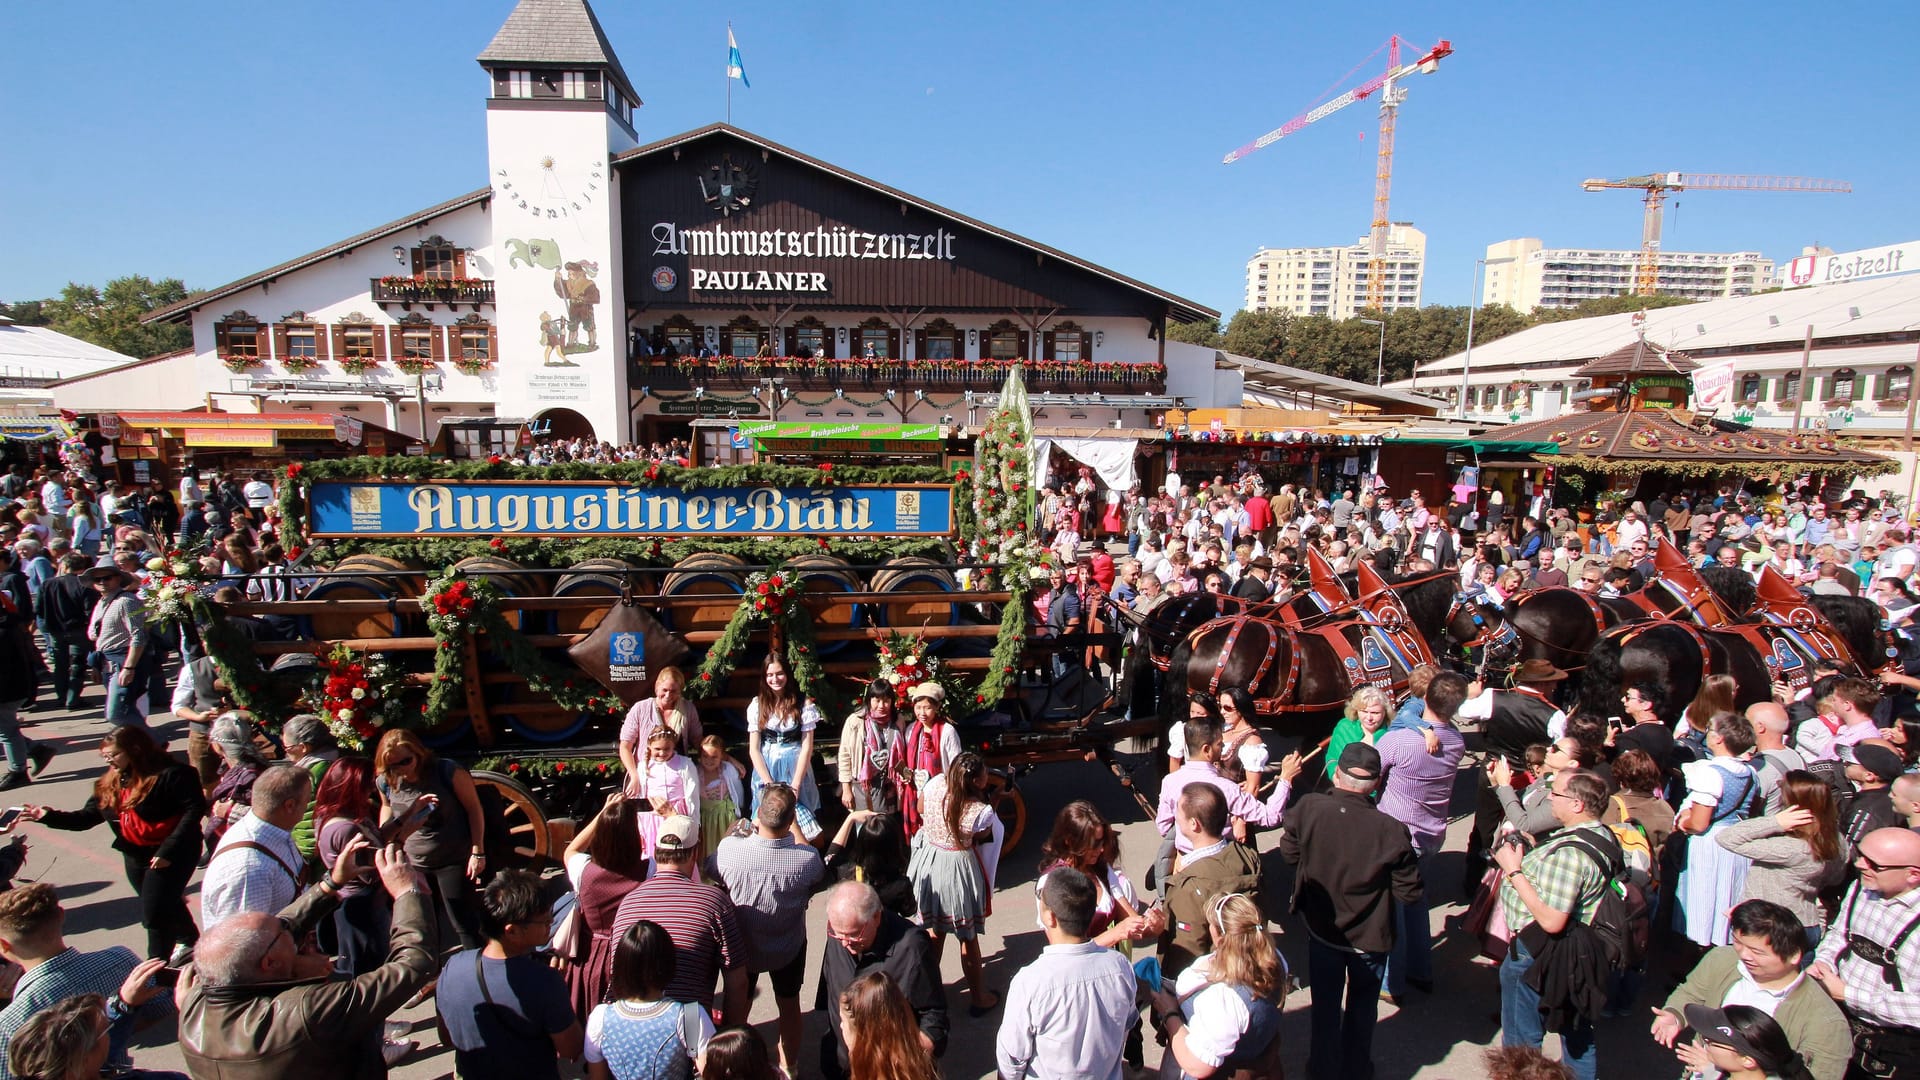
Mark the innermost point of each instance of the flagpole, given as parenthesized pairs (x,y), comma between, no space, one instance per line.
(729,72)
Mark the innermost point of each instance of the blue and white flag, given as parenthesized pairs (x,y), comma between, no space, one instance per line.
(735,70)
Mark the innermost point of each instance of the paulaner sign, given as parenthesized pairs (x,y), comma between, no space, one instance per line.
(395,509)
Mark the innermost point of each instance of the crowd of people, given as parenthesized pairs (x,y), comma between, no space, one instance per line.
(1742,880)
(560,451)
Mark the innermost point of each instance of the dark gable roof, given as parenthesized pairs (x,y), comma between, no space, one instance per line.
(555,32)
(1180,308)
(183,308)
(1642,355)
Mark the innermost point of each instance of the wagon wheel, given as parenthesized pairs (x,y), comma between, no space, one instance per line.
(522,824)
(1003,794)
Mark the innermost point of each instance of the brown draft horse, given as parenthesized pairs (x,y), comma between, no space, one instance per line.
(1302,671)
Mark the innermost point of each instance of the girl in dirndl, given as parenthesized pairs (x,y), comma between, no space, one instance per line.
(948,874)
(670,785)
(780,727)
(723,796)
(1720,791)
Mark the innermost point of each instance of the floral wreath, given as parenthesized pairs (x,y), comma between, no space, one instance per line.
(175,578)
(456,603)
(359,695)
(771,599)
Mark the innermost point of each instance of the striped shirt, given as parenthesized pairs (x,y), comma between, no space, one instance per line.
(274,583)
(769,881)
(702,924)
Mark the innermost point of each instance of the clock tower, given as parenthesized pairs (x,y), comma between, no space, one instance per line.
(560,107)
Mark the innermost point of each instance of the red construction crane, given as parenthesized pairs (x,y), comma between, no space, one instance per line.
(1391,96)
(1659,185)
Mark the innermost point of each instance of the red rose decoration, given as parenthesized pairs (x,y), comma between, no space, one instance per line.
(559,766)
(761,588)
(497,544)
(706,676)
(512,767)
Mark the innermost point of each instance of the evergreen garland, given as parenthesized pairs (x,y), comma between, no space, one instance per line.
(1006,648)
(794,623)
(253,687)
(1002,490)
(1685,467)
(640,551)
(540,769)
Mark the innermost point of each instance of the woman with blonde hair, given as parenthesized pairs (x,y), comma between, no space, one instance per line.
(883,1036)
(668,706)
(1223,1015)
(450,845)
(1368,711)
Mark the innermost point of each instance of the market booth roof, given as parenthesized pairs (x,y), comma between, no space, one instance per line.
(242,430)
(1648,440)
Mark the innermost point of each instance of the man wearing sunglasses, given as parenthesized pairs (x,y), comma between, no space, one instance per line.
(1869,960)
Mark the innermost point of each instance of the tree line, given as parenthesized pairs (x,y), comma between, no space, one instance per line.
(1350,349)
(109,316)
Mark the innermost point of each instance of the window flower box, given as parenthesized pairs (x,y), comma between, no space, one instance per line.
(238,363)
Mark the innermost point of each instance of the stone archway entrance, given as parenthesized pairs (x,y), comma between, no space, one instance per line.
(563,424)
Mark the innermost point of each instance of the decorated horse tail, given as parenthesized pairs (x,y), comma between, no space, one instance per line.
(1600,688)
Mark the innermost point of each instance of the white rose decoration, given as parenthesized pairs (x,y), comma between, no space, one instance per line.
(180,567)
(156,563)
(358,694)
(345,714)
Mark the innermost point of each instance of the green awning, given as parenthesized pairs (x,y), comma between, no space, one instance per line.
(821,429)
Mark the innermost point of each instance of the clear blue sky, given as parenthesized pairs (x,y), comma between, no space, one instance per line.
(206,139)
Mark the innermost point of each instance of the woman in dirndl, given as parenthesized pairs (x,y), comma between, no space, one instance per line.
(780,727)
(1720,792)
(947,870)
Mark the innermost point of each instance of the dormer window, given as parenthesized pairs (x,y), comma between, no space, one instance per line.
(435,259)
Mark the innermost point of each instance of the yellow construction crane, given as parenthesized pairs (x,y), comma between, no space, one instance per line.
(1659,185)
(1391,95)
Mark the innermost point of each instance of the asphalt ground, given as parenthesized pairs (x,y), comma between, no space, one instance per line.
(1438,1035)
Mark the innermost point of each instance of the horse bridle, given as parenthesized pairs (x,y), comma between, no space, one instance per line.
(1502,639)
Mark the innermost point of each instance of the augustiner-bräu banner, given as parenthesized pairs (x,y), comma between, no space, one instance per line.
(566,508)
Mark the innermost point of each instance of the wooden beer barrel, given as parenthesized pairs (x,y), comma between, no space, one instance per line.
(590,577)
(925,589)
(708,574)
(510,579)
(824,575)
(373,577)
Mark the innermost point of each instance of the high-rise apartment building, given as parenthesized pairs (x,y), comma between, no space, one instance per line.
(1332,281)
(1562,277)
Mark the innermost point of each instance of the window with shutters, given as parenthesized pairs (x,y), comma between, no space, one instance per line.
(1842,384)
(940,341)
(437,261)
(742,337)
(810,338)
(573,85)
(1898,382)
(476,344)
(416,343)
(874,342)
(356,342)
(1750,387)
(303,343)
(520,84)
(242,339)
(1004,341)
(1069,343)
(1789,387)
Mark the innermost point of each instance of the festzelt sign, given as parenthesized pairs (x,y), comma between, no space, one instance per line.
(386,508)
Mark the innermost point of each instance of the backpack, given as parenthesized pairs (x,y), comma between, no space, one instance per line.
(1636,848)
(1622,920)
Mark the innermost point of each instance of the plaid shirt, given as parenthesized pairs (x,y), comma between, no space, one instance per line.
(249,880)
(65,975)
(1566,877)
(1879,919)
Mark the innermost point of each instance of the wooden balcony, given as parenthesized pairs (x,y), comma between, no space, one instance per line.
(877,376)
(430,292)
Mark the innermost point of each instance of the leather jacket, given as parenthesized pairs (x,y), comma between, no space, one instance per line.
(314,1029)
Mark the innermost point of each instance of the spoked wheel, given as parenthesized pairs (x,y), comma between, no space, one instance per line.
(521,822)
(1003,794)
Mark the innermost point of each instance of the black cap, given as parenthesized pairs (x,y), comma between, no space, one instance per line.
(1879,761)
(1714,1026)
(1360,761)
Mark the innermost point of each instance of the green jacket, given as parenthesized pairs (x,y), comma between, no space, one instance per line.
(1190,889)
(1812,1020)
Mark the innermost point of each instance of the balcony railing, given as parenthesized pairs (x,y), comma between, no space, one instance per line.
(408,291)
(933,376)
